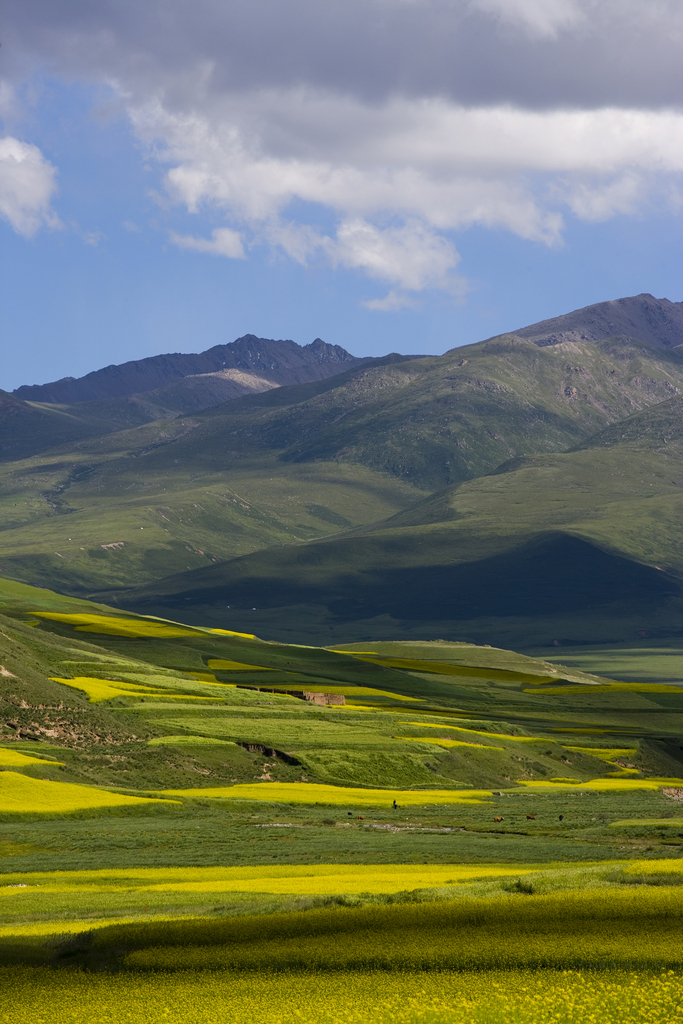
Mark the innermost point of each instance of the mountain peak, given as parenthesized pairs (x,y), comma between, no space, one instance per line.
(659,322)
(282,362)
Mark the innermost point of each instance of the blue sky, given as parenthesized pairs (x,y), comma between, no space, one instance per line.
(162,204)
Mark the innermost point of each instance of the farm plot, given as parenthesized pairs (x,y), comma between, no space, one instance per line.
(612,957)
(21,794)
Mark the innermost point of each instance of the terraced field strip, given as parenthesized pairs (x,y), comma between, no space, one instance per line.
(478,732)
(114,625)
(50,929)
(107,689)
(15,759)
(610,688)
(21,794)
(440,741)
(316,793)
(603,785)
(329,879)
(446,669)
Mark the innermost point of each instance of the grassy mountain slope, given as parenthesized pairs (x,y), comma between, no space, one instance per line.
(296,463)
(582,546)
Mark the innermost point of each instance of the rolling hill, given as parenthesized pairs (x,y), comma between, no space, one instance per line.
(577,547)
(521,490)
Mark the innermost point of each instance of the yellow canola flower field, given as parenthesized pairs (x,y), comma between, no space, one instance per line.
(317,793)
(364,997)
(441,741)
(603,785)
(20,794)
(74,927)
(106,689)
(605,753)
(328,879)
(476,732)
(15,759)
(112,625)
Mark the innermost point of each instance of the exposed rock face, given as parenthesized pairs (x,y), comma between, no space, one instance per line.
(659,322)
(279,362)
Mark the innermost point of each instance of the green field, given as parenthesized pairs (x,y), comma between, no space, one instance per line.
(476,835)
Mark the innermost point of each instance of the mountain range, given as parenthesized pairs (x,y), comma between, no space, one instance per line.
(37,416)
(521,491)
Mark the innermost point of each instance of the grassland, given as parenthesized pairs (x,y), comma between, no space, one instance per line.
(477,835)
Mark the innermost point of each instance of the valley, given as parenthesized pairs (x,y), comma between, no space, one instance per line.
(391,650)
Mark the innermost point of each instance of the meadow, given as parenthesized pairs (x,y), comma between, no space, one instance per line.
(181,840)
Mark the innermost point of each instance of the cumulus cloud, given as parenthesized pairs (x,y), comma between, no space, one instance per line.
(403,121)
(223,242)
(27,184)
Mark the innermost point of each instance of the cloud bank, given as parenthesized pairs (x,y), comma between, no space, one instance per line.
(401,122)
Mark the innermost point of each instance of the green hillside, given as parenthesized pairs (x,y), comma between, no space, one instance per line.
(127,741)
(300,463)
(578,547)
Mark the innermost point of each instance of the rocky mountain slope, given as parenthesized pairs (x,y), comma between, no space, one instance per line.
(659,322)
(283,362)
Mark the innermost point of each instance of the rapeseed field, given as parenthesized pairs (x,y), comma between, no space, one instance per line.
(15,759)
(48,996)
(314,793)
(605,957)
(21,794)
(106,689)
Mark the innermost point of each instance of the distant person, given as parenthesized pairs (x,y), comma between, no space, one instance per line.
(395,805)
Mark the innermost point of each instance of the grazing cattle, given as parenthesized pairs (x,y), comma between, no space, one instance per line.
(497,819)
(530,817)
(561,817)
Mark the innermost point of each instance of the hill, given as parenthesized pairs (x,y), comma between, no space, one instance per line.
(195,746)
(658,322)
(297,463)
(35,418)
(576,547)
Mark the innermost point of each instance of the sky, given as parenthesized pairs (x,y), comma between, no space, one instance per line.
(389,175)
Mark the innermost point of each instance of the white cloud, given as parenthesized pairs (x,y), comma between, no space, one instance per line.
(410,256)
(401,121)
(543,18)
(27,184)
(223,242)
(391,303)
